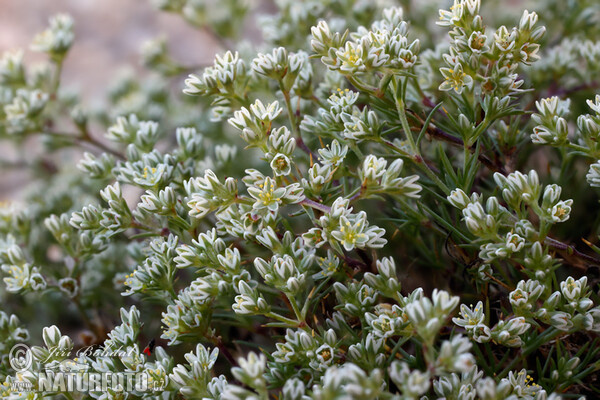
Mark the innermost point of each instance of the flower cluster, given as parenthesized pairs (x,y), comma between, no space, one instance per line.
(491,62)
(338,212)
(342,227)
(508,232)
(384,47)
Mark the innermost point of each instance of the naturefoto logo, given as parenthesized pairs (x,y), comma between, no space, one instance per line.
(71,375)
(20,357)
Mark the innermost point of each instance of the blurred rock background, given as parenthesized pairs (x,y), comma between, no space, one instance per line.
(109,34)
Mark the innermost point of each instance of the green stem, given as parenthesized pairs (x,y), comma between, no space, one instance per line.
(356,150)
(400,107)
(544,225)
(466,154)
(416,157)
(432,175)
(395,148)
(283,319)
(362,86)
(429,353)
(262,391)
(579,148)
(56,77)
(442,221)
(295,307)
(409,210)
(290,111)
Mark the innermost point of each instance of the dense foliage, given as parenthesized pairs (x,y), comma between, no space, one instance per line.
(379,200)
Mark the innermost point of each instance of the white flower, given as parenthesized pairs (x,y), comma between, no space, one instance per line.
(561,320)
(351,233)
(267,195)
(427,316)
(523,385)
(22,277)
(249,301)
(414,383)
(573,289)
(560,212)
(351,58)
(471,318)
(449,18)
(595,104)
(281,165)
(454,355)
(372,169)
(333,154)
(455,79)
(528,20)
(251,369)
(458,198)
(548,106)
(593,175)
(325,354)
(266,113)
(514,242)
(58,38)
(274,65)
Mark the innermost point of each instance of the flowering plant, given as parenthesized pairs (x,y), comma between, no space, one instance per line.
(359,207)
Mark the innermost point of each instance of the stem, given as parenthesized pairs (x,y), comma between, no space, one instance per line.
(263,392)
(395,148)
(288,106)
(432,175)
(357,194)
(429,353)
(441,221)
(544,225)
(413,147)
(86,320)
(56,77)
(569,249)
(315,205)
(85,139)
(283,319)
(579,148)
(293,121)
(295,307)
(499,282)
(417,159)
(466,154)
(406,126)
(409,210)
(224,350)
(363,86)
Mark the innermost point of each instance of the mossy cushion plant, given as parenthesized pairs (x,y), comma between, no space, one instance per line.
(377,201)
